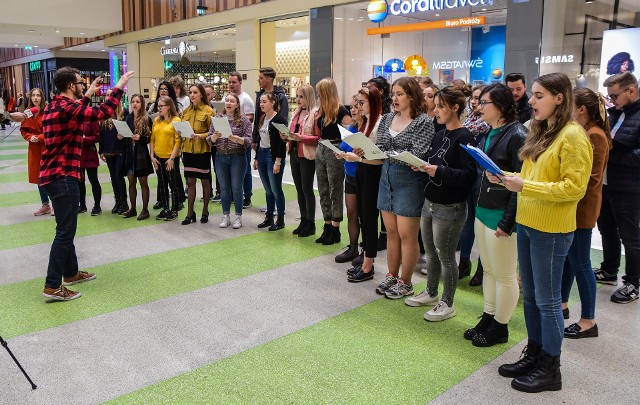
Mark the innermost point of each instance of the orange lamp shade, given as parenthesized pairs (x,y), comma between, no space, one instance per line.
(415,65)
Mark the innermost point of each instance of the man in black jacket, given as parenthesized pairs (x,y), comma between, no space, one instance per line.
(516,82)
(620,211)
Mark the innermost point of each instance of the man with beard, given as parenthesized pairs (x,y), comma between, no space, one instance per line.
(515,81)
(62,123)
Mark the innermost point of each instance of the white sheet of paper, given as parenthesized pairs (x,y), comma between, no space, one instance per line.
(283,130)
(184,127)
(221,124)
(329,145)
(409,158)
(360,141)
(123,128)
(344,132)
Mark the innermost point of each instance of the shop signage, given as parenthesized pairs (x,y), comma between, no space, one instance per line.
(429,25)
(35,66)
(379,9)
(458,64)
(555,59)
(181,49)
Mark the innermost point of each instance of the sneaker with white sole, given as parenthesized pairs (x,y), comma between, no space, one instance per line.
(237,223)
(226,221)
(60,294)
(80,277)
(625,294)
(422,263)
(388,282)
(399,290)
(421,299)
(440,312)
(44,210)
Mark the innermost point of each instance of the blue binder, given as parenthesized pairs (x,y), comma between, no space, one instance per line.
(484,160)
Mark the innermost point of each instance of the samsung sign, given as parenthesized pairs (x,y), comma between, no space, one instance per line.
(379,9)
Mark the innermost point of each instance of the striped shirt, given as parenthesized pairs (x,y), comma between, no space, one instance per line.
(62,121)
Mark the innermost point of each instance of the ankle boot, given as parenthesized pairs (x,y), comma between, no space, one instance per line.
(349,254)
(545,377)
(496,333)
(485,321)
(476,280)
(333,237)
(116,207)
(268,220)
(325,232)
(301,226)
(464,268)
(308,230)
(279,224)
(527,361)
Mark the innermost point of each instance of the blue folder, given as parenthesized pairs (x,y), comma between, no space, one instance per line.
(484,160)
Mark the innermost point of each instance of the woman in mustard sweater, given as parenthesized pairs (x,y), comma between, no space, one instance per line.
(557,159)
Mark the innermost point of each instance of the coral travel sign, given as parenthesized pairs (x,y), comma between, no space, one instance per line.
(379,9)
(181,49)
(429,25)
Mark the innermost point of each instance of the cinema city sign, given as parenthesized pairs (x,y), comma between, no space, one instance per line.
(182,48)
(399,7)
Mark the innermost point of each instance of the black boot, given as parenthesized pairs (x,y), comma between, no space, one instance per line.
(464,268)
(476,280)
(325,232)
(279,224)
(268,221)
(303,223)
(333,237)
(124,207)
(526,363)
(496,333)
(308,230)
(349,254)
(545,377)
(115,208)
(485,321)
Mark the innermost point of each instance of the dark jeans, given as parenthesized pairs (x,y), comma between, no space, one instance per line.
(441,226)
(65,198)
(578,266)
(247,188)
(620,220)
(230,170)
(168,179)
(271,182)
(178,182)
(303,171)
(115,163)
(367,185)
(44,198)
(96,189)
(541,257)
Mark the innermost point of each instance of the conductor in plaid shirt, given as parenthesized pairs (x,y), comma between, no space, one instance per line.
(62,121)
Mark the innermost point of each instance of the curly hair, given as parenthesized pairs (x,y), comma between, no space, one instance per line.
(615,63)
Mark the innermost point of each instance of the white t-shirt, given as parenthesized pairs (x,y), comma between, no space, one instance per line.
(246,104)
(183,102)
(265,141)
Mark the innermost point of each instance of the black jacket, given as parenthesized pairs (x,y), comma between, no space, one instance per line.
(503,150)
(623,168)
(278,146)
(283,111)
(524,109)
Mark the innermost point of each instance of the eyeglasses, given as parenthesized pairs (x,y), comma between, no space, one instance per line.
(80,83)
(163,89)
(614,97)
(360,102)
(161,105)
(482,103)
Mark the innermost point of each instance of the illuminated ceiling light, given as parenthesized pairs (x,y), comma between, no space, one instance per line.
(394,66)
(32,30)
(416,65)
(57,31)
(82,33)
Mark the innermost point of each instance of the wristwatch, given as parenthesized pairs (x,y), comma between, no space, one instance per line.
(277,163)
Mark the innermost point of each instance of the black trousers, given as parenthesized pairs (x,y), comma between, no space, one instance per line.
(96,189)
(367,184)
(303,171)
(178,181)
(168,179)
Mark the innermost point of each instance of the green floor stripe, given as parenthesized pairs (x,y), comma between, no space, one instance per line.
(36,232)
(137,281)
(13,157)
(14,177)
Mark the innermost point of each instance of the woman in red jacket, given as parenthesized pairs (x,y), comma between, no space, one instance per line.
(31,130)
(89,165)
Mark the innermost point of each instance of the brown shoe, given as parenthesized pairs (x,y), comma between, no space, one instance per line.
(144,214)
(60,294)
(131,212)
(81,277)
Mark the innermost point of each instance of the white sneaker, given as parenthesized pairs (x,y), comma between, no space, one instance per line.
(422,263)
(237,223)
(225,221)
(440,312)
(421,299)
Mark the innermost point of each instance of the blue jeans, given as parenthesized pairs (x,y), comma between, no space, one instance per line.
(115,163)
(248,185)
(541,257)
(578,266)
(272,183)
(441,226)
(44,197)
(230,172)
(65,198)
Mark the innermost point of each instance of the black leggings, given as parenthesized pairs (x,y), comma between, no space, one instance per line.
(303,171)
(367,184)
(168,178)
(96,189)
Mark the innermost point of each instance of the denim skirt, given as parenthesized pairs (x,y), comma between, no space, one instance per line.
(401,190)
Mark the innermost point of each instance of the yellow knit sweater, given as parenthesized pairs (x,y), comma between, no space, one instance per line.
(555,183)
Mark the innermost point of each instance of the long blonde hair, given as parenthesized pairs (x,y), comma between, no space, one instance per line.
(173,112)
(543,132)
(328,100)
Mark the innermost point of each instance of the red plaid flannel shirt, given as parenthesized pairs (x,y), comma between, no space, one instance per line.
(62,121)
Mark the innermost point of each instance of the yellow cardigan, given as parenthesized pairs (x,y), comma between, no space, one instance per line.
(555,183)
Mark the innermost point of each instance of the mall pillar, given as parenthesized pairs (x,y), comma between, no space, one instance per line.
(133,63)
(151,68)
(321,44)
(524,30)
(248,54)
